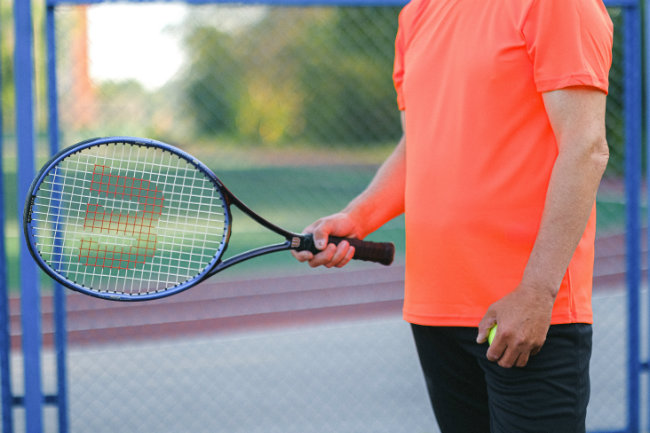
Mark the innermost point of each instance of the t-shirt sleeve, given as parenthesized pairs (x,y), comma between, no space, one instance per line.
(570,43)
(398,68)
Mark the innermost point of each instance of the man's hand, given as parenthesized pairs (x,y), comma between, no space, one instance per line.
(523,317)
(340,224)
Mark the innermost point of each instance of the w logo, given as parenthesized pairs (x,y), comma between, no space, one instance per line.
(128,239)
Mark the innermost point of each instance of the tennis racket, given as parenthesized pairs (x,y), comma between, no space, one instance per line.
(129,219)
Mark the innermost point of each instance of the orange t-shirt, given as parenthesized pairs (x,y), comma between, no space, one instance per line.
(469,76)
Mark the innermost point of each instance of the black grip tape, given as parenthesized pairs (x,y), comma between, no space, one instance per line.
(378,252)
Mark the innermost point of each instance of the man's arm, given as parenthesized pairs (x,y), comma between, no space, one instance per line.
(577,116)
(381,201)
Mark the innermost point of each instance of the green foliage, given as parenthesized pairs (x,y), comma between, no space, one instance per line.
(326,78)
(349,92)
(6,62)
(213,88)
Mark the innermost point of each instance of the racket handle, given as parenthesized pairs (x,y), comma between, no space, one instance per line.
(379,252)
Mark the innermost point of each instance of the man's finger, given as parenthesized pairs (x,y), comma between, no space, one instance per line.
(324,257)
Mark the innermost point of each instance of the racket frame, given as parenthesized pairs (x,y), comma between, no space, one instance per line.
(217,264)
(94,142)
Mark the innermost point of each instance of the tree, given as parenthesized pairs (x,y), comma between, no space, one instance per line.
(213,85)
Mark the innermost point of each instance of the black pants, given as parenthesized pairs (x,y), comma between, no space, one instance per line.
(470,394)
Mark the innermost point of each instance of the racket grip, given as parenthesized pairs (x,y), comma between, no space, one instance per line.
(378,252)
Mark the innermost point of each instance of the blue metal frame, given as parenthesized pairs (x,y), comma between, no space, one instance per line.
(30,300)
(633,132)
(5,337)
(60,335)
(30,297)
(646,39)
(609,3)
(288,3)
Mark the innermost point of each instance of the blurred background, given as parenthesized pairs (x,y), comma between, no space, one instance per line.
(294,109)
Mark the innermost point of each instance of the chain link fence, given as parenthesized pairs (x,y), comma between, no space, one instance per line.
(294,109)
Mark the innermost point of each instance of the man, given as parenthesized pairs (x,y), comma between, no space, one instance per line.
(503,105)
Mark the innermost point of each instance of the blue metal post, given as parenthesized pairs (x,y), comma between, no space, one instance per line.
(5,338)
(647,116)
(30,299)
(60,335)
(633,105)
(639,55)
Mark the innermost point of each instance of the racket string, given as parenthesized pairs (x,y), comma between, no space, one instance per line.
(90,204)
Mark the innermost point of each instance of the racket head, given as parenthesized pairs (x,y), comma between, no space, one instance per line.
(126,218)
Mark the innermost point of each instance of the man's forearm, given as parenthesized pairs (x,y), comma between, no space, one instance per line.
(570,198)
(383,199)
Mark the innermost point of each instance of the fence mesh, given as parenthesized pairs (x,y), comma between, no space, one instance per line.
(294,109)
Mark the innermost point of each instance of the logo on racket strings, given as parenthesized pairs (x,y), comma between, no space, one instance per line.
(125,238)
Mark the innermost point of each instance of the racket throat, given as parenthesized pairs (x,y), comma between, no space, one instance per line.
(221,265)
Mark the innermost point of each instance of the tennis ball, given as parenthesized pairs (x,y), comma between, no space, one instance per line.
(491,334)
